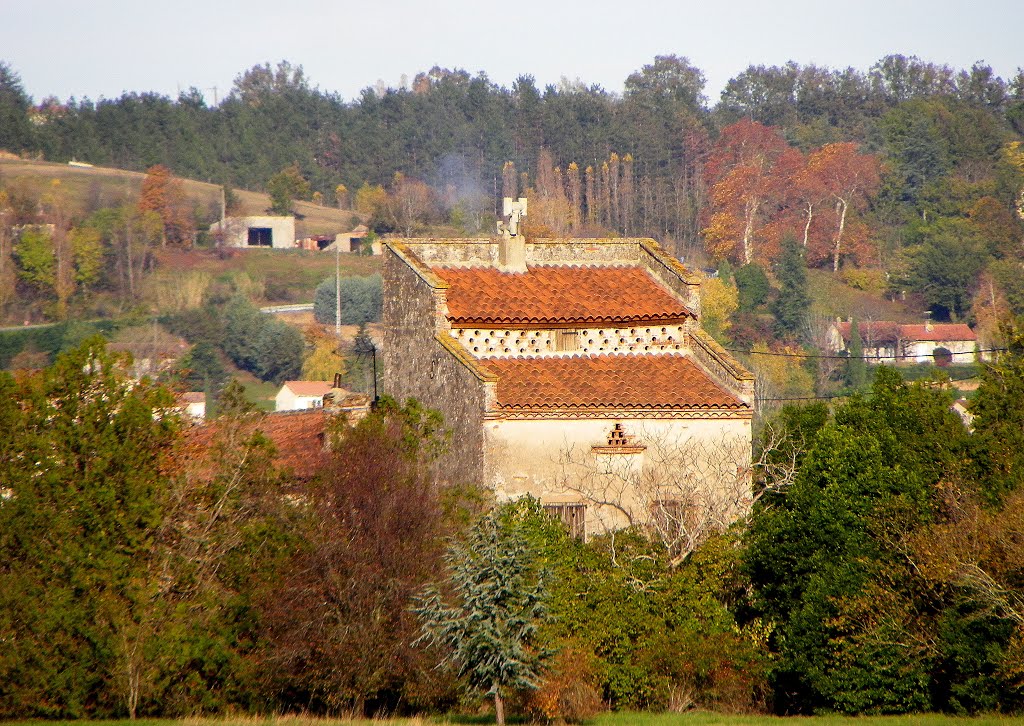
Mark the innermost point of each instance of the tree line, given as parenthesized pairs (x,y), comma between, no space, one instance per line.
(909,174)
(452,128)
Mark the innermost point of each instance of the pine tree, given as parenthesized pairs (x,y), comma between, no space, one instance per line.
(490,629)
(856,368)
(794,299)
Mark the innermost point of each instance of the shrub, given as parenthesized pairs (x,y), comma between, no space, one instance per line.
(568,693)
(868,280)
(361,300)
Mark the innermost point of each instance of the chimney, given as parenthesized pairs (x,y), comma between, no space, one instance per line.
(511,243)
(928,321)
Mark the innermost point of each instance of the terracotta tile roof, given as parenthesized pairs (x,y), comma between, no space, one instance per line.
(192,397)
(939,332)
(873,331)
(664,382)
(557,294)
(880,331)
(309,388)
(298,439)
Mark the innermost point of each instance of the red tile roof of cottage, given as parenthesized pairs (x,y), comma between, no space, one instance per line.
(660,382)
(557,294)
(880,331)
(938,332)
(873,331)
(309,388)
(298,438)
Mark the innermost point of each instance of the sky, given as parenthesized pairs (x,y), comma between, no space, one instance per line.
(102,48)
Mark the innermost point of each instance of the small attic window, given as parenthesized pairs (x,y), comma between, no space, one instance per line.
(567,340)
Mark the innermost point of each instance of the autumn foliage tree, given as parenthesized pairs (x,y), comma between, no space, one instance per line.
(764,191)
(164,194)
(748,172)
(339,625)
(846,179)
(409,203)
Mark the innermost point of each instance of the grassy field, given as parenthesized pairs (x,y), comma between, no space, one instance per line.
(695,718)
(832,298)
(285,276)
(93,187)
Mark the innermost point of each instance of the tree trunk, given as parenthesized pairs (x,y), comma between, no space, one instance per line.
(807,227)
(841,205)
(499,707)
(748,231)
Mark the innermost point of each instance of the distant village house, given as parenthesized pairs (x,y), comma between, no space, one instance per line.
(300,395)
(888,342)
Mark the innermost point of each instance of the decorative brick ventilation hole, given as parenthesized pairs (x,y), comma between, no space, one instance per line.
(617,437)
(587,342)
(619,442)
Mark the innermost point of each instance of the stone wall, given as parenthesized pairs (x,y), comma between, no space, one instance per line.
(415,364)
(721,366)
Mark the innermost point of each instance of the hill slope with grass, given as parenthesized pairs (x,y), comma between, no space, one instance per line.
(86,189)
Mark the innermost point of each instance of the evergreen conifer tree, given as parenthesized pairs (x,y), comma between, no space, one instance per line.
(794,300)
(489,630)
(856,368)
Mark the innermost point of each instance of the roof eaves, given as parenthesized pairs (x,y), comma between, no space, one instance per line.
(466,358)
(418,266)
(711,346)
(654,250)
(570,321)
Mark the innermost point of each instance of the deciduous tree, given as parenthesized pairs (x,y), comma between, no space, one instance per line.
(164,194)
(849,178)
(339,624)
(409,203)
(284,187)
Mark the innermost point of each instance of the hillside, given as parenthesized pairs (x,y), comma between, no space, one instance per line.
(87,188)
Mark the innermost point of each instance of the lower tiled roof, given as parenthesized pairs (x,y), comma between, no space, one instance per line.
(660,382)
(298,439)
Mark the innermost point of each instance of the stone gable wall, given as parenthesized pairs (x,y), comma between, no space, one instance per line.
(415,365)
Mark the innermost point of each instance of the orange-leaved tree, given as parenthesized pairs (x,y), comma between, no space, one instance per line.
(164,194)
(749,169)
(848,178)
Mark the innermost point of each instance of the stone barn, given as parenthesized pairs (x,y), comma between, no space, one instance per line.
(574,370)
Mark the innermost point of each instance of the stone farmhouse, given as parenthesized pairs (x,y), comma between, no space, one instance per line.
(574,370)
(888,342)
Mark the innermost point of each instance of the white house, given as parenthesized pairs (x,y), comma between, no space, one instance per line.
(298,395)
(888,342)
(266,231)
(193,404)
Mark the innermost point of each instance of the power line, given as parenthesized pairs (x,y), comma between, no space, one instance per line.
(848,395)
(851,357)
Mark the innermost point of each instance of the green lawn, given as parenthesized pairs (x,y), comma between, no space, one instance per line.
(610,719)
(711,719)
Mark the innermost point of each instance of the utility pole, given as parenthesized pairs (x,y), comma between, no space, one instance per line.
(337,289)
